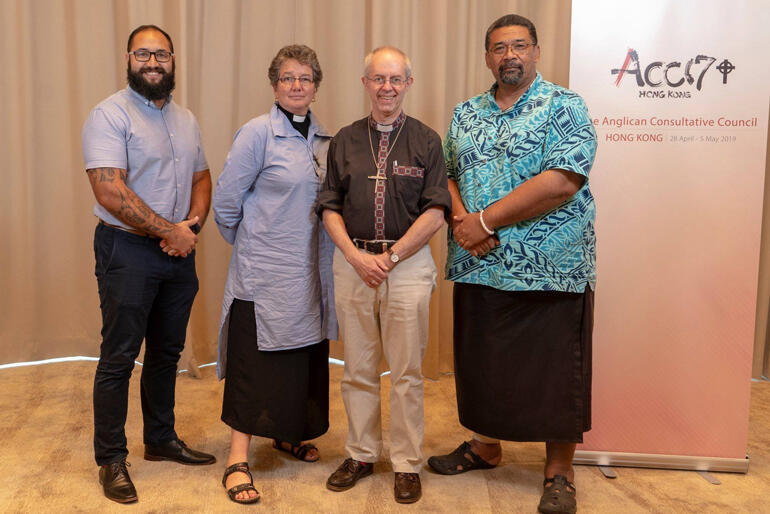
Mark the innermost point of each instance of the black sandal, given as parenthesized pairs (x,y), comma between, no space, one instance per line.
(243,467)
(559,497)
(458,462)
(298,452)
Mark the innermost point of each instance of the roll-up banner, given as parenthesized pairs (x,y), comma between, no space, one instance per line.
(678,92)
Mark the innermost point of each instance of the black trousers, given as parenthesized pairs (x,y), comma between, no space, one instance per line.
(144,295)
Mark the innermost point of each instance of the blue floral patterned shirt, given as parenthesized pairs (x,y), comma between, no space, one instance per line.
(490,152)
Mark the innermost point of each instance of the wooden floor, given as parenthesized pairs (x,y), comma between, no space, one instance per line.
(46,460)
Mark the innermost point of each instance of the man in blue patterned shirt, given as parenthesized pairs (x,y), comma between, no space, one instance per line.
(522,256)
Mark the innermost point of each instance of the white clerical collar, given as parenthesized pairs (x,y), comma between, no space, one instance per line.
(296,118)
(382,127)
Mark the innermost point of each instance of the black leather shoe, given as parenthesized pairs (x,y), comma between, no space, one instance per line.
(116,482)
(177,451)
(348,474)
(407,487)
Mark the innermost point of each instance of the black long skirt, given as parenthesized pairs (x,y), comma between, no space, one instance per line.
(523,362)
(277,394)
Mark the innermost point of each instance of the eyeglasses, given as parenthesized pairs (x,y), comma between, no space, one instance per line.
(394,81)
(143,55)
(288,80)
(517,47)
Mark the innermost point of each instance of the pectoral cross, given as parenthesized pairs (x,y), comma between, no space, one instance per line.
(381,172)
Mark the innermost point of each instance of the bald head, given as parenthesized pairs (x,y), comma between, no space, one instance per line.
(388,52)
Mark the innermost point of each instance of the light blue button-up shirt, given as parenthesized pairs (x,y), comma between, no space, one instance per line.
(490,152)
(160,149)
(281,261)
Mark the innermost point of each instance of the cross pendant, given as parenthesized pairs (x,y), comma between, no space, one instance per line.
(379,176)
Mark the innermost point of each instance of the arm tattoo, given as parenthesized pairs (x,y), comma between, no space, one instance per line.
(135,212)
(130,208)
(105,175)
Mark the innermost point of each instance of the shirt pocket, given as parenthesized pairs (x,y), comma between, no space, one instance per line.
(407,184)
(409,171)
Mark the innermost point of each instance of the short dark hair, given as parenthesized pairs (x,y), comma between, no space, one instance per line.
(142,28)
(507,21)
(300,53)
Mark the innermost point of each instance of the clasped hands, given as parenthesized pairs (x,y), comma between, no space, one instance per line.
(372,268)
(471,236)
(181,241)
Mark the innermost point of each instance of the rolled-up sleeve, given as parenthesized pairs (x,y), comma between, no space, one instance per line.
(242,167)
(435,192)
(332,195)
(104,141)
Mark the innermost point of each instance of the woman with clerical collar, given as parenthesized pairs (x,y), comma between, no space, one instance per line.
(278,309)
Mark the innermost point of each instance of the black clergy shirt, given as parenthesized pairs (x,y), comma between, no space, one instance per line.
(419,181)
(300,126)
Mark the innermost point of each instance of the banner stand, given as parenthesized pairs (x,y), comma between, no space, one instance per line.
(659,461)
(679,182)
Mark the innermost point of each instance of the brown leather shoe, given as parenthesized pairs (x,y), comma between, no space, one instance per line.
(348,474)
(407,488)
(116,482)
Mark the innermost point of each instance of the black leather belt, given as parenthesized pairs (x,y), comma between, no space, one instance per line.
(375,245)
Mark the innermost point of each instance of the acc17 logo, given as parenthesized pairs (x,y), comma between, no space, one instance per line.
(672,74)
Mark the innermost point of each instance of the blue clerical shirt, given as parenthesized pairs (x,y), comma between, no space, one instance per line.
(282,256)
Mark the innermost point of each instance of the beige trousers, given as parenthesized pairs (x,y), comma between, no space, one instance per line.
(391,320)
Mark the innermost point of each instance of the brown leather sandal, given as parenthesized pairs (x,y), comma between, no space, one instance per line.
(243,467)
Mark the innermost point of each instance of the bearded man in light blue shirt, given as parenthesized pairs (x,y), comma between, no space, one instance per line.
(145,162)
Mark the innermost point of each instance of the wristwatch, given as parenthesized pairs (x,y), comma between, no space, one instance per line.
(394,258)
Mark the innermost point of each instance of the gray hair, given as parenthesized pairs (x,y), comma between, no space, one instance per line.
(300,53)
(370,56)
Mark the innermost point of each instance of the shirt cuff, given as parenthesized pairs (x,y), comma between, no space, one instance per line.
(329,200)
(228,233)
(437,196)
(90,165)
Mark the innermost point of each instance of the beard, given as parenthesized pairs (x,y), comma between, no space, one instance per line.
(159,91)
(511,73)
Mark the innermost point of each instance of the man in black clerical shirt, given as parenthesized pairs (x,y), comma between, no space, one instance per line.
(384,196)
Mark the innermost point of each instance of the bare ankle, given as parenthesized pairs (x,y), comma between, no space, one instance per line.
(557,469)
(490,452)
(234,459)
